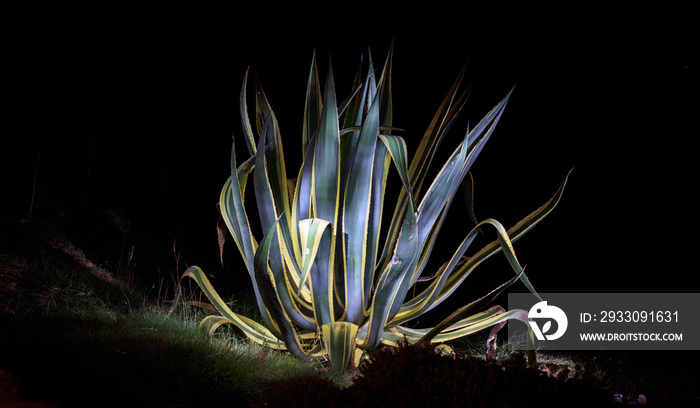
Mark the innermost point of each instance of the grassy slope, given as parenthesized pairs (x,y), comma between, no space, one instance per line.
(70,336)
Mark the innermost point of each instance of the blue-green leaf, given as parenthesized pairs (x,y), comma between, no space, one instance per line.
(392,283)
(315,237)
(326,157)
(251,329)
(245,118)
(356,216)
(312,108)
(269,293)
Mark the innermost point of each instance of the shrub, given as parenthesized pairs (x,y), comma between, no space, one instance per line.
(302,392)
(324,281)
(420,376)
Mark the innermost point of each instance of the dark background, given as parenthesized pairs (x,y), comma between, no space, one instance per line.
(129,115)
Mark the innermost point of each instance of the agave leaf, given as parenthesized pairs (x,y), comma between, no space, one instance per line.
(245,118)
(432,138)
(268,285)
(325,175)
(514,233)
(390,337)
(441,123)
(250,328)
(275,187)
(303,199)
(524,225)
(484,129)
(339,338)
(453,322)
(372,86)
(379,178)
(326,158)
(350,134)
(356,216)
(497,316)
(262,108)
(242,174)
(234,214)
(313,106)
(316,234)
(310,232)
(438,198)
(464,327)
(272,198)
(449,280)
(386,109)
(391,286)
(254,332)
(414,335)
(426,299)
(270,185)
(356,106)
(264,193)
(399,154)
(433,207)
(468,193)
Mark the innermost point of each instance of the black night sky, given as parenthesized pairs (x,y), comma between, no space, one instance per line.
(134,116)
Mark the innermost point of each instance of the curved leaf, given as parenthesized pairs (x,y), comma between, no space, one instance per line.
(272,199)
(449,280)
(492,248)
(252,331)
(441,123)
(470,309)
(234,214)
(270,296)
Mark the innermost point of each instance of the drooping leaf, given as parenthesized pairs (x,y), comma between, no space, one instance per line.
(468,311)
(270,296)
(252,330)
(440,289)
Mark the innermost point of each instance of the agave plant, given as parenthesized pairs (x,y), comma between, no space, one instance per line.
(327,283)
